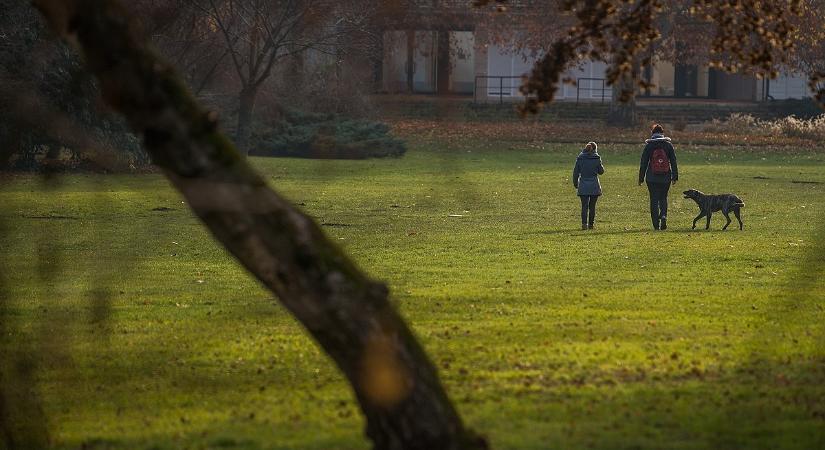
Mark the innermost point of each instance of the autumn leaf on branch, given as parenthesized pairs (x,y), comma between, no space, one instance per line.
(759,37)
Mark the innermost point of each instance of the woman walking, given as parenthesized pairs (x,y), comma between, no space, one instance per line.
(586,181)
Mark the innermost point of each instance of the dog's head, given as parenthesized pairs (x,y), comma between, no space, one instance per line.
(692,194)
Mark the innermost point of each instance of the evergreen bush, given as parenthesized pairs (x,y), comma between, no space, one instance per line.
(326,136)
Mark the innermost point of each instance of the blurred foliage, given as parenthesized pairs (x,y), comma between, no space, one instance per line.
(51,116)
(812,129)
(329,136)
(757,37)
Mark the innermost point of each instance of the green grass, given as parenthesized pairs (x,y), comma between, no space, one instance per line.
(546,336)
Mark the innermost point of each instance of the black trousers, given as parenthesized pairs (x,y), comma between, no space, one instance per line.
(658,201)
(589,206)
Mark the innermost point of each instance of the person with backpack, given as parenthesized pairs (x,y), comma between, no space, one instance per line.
(658,168)
(586,181)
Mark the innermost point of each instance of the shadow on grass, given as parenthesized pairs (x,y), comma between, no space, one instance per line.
(764,404)
(250,434)
(798,302)
(578,232)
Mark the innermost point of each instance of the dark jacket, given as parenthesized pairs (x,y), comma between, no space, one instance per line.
(586,174)
(646,172)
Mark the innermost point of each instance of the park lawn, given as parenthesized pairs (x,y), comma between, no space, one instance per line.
(546,336)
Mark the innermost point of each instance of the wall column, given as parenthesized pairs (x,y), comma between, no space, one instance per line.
(480,63)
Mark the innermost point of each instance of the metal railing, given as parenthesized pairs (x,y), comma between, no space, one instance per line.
(495,86)
(590,87)
(505,86)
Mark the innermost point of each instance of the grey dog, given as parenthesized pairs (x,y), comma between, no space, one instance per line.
(708,204)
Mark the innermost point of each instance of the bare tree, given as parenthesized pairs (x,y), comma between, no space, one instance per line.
(185,36)
(257,34)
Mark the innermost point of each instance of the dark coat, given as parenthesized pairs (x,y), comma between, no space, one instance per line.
(646,172)
(586,174)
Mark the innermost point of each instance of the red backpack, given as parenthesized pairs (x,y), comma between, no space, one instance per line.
(659,162)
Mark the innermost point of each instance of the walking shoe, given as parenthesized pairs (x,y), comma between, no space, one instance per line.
(584,226)
(590,226)
(663,225)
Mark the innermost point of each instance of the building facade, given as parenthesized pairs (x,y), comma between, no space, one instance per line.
(464,62)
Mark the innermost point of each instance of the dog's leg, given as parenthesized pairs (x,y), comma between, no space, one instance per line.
(738,217)
(701,214)
(707,225)
(727,217)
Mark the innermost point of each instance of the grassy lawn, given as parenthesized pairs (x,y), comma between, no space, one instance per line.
(546,336)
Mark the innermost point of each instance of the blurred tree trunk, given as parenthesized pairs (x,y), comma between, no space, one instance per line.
(622,111)
(348,314)
(443,62)
(246,107)
(10,139)
(410,65)
(23,423)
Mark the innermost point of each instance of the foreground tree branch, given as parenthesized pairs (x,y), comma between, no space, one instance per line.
(346,312)
(737,36)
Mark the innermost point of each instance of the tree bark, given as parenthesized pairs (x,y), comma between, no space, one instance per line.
(246,107)
(348,314)
(410,65)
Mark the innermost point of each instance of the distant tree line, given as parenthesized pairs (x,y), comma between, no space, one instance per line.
(249,61)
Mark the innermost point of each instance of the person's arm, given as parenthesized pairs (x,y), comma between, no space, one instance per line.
(576,173)
(643,164)
(601,167)
(673,167)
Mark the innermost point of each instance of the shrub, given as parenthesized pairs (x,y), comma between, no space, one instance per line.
(790,126)
(744,124)
(327,136)
(736,123)
(51,119)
